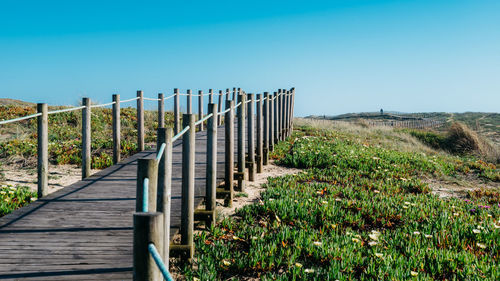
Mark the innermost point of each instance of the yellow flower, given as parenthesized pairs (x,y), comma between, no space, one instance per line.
(413,273)
(3,192)
(355,240)
(298,264)
(226,262)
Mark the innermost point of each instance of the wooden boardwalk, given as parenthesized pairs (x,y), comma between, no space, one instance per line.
(84,231)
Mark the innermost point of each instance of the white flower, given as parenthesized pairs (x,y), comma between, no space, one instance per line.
(428,236)
(407,203)
(379,255)
(482,246)
(309,270)
(226,262)
(372,243)
(413,273)
(317,243)
(373,236)
(496,226)
(338,199)
(416,233)
(376,191)
(476,231)
(456,214)
(324,202)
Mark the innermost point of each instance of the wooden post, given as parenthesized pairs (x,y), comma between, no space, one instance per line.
(229,151)
(259,118)
(219,117)
(251,138)
(287,113)
(200,109)
(148,228)
(282,114)
(227,95)
(165,186)
(146,168)
(177,110)
(266,136)
(292,109)
(140,121)
(188,162)
(234,94)
(211,183)
(276,118)
(116,129)
(161,110)
(241,143)
(271,124)
(43,150)
(188,103)
(86,142)
(210,96)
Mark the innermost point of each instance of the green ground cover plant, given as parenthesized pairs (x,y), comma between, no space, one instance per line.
(19,143)
(14,197)
(358,211)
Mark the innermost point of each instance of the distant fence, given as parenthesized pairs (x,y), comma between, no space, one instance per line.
(400,121)
(265,118)
(410,124)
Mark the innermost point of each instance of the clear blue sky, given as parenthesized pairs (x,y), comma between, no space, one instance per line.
(342,56)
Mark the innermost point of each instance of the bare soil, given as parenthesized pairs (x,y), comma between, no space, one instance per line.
(59,176)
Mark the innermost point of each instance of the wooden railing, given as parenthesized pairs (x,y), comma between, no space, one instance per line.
(266,120)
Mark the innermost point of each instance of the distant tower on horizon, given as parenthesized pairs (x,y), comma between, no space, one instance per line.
(381,111)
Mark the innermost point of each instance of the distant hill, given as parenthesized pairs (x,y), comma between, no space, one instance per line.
(7,102)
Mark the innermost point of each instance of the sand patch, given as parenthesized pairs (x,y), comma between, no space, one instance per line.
(60,176)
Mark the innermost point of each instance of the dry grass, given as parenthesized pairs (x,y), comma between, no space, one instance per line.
(461,139)
(374,135)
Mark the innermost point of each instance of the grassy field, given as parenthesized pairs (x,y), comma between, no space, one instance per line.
(359,210)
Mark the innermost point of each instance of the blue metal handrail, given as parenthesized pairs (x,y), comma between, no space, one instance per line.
(180,133)
(145,191)
(160,152)
(156,256)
